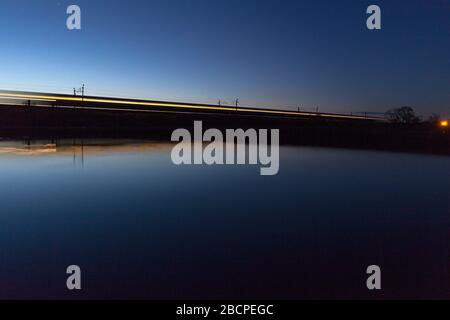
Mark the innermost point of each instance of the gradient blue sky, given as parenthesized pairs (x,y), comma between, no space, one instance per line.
(268,53)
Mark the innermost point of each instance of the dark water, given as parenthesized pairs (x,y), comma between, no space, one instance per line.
(140,227)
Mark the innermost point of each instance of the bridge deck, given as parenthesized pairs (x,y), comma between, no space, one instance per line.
(121,104)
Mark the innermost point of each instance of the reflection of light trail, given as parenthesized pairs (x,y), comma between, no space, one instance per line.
(80,148)
(56,98)
(32,150)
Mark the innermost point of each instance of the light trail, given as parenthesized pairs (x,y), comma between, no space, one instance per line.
(117,101)
(21,99)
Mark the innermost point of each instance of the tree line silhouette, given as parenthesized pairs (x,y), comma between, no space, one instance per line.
(407,115)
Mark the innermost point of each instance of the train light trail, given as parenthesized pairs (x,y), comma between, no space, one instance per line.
(143,105)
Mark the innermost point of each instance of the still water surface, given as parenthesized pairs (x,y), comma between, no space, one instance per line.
(141,227)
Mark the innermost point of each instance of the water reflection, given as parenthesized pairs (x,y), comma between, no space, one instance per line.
(26,149)
(77,148)
(141,227)
(70,147)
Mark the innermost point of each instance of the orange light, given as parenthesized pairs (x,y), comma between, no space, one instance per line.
(444,123)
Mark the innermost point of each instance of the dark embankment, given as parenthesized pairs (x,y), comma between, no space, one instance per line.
(54,123)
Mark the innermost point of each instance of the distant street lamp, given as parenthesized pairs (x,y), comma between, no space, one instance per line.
(444,123)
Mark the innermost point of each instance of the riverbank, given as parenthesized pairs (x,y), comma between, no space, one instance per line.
(19,122)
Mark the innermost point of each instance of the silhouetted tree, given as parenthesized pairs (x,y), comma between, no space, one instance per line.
(404,115)
(434,119)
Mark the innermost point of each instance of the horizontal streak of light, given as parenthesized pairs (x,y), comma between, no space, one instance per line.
(36,99)
(184,106)
(114,109)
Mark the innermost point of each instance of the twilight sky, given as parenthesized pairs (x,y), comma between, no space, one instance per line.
(268,53)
